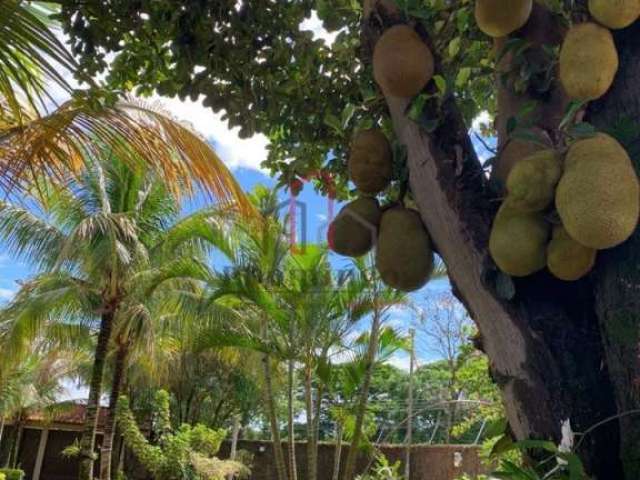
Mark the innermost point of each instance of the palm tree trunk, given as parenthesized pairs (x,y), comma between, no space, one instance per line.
(106,452)
(1,428)
(308,401)
(293,474)
(234,437)
(15,447)
(352,456)
(87,440)
(338,452)
(278,454)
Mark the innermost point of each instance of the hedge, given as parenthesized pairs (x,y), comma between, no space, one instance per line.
(12,473)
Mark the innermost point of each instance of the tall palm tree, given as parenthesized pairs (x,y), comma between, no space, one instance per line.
(94,244)
(380,299)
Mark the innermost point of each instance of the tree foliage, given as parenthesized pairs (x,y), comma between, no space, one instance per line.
(187,453)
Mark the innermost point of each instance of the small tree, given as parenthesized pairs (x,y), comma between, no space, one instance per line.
(187,453)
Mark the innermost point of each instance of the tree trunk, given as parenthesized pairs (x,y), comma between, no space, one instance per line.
(313,461)
(1,428)
(293,473)
(409,436)
(544,344)
(338,452)
(278,454)
(87,440)
(617,278)
(361,409)
(312,451)
(234,437)
(106,452)
(15,447)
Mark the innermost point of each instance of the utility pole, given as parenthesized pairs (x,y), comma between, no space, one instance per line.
(409,438)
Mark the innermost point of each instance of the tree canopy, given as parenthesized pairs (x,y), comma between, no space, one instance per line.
(259,65)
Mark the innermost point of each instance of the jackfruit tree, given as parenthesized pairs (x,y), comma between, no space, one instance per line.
(554,282)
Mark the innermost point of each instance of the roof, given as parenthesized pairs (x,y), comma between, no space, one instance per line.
(66,413)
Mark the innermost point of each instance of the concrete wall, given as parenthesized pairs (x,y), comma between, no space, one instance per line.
(428,462)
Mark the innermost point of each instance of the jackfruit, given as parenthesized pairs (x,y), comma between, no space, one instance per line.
(513,152)
(567,259)
(402,62)
(531,185)
(598,197)
(588,61)
(499,18)
(371,161)
(615,13)
(518,241)
(353,232)
(404,256)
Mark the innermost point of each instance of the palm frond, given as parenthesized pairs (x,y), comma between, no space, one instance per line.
(31,58)
(60,144)
(30,237)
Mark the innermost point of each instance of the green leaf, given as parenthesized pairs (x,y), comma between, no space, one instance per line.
(441,84)
(463,77)
(504,444)
(582,130)
(332,121)
(537,444)
(454,47)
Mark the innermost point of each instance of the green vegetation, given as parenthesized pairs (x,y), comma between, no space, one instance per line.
(187,453)
(474,132)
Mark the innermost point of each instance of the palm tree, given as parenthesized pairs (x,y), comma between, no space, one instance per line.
(37,142)
(94,245)
(323,311)
(380,299)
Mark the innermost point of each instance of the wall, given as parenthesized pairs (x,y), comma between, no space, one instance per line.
(428,462)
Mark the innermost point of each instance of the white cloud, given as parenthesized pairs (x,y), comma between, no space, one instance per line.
(6,294)
(234,151)
(400,361)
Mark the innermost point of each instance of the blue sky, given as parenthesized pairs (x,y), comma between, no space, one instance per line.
(244,158)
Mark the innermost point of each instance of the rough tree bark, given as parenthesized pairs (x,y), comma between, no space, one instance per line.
(106,451)
(87,440)
(617,278)
(544,344)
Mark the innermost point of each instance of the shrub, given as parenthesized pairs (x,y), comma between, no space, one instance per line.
(12,473)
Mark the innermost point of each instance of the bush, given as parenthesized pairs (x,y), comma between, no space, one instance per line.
(12,473)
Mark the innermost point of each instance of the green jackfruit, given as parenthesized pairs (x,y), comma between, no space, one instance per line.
(615,14)
(567,259)
(588,61)
(402,62)
(598,197)
(353,232)
(371,161)
(404,256)
(531,185)
(518,241)
(499,18)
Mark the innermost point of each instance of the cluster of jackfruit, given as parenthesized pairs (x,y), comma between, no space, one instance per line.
(402,66)
(588,57)
(596,194)
(404,256)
